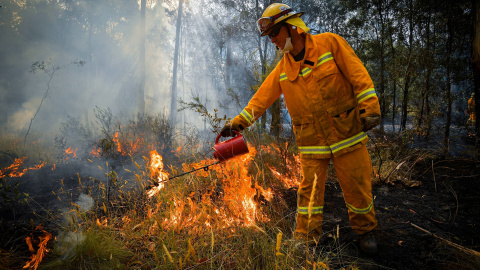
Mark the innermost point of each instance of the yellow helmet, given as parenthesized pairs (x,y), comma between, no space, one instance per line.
(274,14)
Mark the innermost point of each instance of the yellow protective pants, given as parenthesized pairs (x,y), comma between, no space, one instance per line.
(353,170)
(472,119)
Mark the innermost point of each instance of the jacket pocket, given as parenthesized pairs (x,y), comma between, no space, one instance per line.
(326,78)
(305,132)
(346,119)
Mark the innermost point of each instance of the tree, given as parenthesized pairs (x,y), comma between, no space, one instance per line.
(141,88)
(476,67)
(173,104)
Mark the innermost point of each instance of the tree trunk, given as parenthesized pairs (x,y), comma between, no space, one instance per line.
(141,71)
(262,50)
(476,68)
(382,62)
(173,105)
(408,77)
(228,60)
(394,82)
(275,110)
(425,93)
(394,105)
(448,94)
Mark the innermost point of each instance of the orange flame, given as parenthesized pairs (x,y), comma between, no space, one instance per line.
(14,169)
(115,139)
(95,152)
(156,172)
(127,147)
(42,248)
(239,197)
(70,151)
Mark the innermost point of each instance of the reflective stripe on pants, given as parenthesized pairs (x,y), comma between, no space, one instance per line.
(353,170)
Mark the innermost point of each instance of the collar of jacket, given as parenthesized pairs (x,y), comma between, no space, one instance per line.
(292,68)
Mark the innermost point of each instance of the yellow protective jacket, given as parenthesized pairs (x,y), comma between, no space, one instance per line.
(326,94)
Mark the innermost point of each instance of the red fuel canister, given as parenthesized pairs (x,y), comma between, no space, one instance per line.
(230,148)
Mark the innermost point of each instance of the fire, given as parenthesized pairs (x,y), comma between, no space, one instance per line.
(126,147)
(156,172)
(14,169)
(288,182)
(95,152)
(235,205)
(115,139)
(38,255)
(69,151)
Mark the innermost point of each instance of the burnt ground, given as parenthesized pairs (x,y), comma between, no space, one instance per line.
(445,202)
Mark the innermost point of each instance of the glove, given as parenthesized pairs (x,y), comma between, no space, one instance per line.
(370,122)
(229,129)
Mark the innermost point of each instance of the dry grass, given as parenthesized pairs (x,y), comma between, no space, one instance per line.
(233,216)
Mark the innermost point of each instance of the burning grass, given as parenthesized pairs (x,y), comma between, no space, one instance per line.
(217,217)
(225,217)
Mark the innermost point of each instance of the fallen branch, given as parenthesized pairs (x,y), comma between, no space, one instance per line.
(457,246)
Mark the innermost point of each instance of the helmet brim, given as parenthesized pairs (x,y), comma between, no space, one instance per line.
(267,30)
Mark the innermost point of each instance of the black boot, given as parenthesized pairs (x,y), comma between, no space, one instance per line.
(367,243)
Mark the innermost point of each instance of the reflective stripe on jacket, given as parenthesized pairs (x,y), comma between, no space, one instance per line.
(326,94)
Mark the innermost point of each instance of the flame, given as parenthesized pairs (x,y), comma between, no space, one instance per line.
(14,169)
(115,139)
(127,147)
(95,152)
(288,182)
(156,172)
(38,255)
(69,151)
(236,205)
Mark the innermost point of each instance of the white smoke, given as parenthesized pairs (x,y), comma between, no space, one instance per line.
(85,202)
(70,240)
(21,118)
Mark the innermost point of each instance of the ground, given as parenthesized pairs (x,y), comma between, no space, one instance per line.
(446,204)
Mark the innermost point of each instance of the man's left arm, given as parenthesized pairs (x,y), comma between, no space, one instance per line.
(356,73)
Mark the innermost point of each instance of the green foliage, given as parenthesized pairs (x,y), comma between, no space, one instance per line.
(8,191)
(96,249)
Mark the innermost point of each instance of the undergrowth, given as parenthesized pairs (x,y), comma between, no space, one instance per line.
(236,215)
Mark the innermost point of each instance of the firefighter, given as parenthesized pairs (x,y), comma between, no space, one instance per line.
(332,103)
(471,110)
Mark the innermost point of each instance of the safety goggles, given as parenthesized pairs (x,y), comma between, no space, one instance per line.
(275,30)
(265,23)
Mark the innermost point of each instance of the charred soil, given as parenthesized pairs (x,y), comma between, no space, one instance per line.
(433,223)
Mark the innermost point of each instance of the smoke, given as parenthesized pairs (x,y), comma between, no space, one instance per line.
(102,35)
(85,202)
(68,240)
(105,35)
(22,116)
